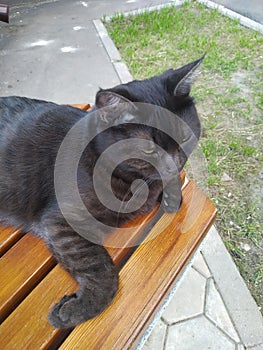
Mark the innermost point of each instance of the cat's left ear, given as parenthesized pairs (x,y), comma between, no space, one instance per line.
(111,105)
(183,78)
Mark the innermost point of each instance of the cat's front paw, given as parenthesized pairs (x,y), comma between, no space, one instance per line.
(172,196)
(68,312)
(171,204)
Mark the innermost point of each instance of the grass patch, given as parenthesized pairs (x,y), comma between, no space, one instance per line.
(230,103)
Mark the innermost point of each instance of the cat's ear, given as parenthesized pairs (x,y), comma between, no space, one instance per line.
(111,105)
(182,78)
(106,98)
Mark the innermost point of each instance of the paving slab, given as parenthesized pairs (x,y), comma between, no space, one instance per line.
(198,333)
(253,9)
(188,300)
(200,265)
(257,347)
(240,347)
(244,311)
(216,311)
(157,338)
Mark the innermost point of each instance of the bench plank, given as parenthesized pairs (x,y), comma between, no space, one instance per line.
(146,278)
(84,107)
(28,327)
(8,237)
(26,268)
(33,311)
(155,264)
(20,271)
(29,322)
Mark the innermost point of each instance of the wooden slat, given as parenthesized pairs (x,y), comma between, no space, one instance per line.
(50,290)
(8,237)
(120,243)
(28,327)
(21,268)
(145,279)
(29,322)
(32,314)
(84,107)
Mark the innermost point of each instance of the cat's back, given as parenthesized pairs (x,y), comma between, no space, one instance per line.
(12,109)
(31,132)
(23,119)
(20,111)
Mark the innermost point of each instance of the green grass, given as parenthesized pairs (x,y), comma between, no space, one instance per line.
(230,103)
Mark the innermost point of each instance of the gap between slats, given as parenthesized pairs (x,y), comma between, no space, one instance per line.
(8,237)
(22,316)
(145,279)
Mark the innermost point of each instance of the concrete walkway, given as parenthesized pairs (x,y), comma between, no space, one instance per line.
(52,50)
(253,9)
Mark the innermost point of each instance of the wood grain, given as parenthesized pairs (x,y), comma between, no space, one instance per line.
(8,237)
(84,107)
(21,268)
(29,322)
(28,327)
(145,280)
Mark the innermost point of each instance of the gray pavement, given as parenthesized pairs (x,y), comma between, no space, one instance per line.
(53,50)
(252,9)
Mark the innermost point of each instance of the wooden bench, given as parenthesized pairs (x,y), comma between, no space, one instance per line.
(31,281)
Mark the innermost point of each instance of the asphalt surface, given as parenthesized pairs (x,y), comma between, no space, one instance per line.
(252,9)
(51,50)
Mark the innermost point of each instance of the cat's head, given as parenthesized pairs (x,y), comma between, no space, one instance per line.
(170,90)
(125,105)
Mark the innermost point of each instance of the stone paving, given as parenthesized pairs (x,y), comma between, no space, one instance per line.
(197,317)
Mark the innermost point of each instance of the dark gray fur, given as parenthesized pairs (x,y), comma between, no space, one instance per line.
(31,132)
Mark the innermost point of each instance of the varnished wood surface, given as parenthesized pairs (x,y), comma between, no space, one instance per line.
(84,107)
(8,237)
(145,279)
(32,313)
(21,268)
(28,327)
(31,285)
(29,321)
(142,287)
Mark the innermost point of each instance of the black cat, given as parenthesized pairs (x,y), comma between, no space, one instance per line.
(31,133)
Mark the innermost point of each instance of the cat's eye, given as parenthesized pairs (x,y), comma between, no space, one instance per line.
(186,138)
(149,151)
